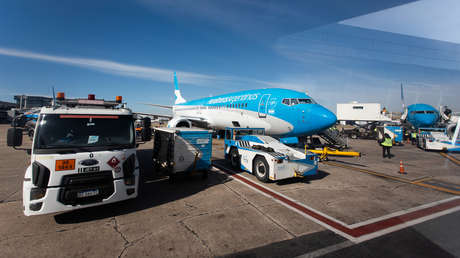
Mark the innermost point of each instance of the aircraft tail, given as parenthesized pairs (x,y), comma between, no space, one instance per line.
(402,98)
(179,98)
(404,111)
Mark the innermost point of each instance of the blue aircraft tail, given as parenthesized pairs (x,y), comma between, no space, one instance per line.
(179,98)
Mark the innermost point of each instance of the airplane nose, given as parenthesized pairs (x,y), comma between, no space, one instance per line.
(324,118)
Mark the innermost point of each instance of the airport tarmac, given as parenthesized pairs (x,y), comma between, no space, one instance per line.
(353,207)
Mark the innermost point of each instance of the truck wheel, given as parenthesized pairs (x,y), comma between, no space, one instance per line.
(235,158)
(172,178)
(261,169)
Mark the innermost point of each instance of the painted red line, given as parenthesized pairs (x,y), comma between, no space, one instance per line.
(390,222)
(292,204)
(359,231)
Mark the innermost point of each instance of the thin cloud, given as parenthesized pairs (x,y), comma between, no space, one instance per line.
(111,67)
(145,72)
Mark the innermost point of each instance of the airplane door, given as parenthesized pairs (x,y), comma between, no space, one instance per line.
(263,105)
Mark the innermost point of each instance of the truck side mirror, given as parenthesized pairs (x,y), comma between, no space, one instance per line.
(147,129)
(14,137)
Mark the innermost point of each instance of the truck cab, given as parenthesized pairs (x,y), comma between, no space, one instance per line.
(83,154)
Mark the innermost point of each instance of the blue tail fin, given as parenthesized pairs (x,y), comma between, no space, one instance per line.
(179,98)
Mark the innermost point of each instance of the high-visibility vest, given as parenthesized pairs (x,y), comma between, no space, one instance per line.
(414,135)
(387,142)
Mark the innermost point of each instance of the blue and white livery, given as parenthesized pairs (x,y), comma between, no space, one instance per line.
(419,115)
(281,112)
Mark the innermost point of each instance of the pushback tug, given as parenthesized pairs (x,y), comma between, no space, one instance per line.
(83,154)
(267,158)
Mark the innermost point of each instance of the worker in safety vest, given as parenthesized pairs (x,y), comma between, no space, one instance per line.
(386,143)
(413,137)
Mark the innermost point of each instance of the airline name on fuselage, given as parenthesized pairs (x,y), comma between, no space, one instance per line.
(232,99)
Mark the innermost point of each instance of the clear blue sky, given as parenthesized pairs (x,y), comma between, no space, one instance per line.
(339,51)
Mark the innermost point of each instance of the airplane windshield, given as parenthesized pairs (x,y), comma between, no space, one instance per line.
(306,101)
(423,112)
(292,102)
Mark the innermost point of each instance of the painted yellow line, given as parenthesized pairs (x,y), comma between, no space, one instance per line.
(422,180)
(369,172)
(418,182)
(456,161)
(438,188)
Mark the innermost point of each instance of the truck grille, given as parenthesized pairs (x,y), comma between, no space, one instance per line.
(73,188)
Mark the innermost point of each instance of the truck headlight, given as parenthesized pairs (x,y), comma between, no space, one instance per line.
(37,193)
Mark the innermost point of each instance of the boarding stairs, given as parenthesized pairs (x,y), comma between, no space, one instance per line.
(334,138)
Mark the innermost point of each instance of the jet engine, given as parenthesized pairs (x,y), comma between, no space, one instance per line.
(180,122)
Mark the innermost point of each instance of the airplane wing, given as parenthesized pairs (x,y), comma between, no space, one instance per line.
(157,105)
(154,115)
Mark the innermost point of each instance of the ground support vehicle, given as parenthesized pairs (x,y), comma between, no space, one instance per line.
(181,150)
(438,139)
(83,154)
(325,152)
(266,157)
(358,131)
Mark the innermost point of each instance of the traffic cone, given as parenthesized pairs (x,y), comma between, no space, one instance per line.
(401,168)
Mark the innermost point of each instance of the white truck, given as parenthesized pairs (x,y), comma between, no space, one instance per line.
(83,154)
(266,157)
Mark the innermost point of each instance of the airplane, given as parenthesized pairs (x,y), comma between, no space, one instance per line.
(419,115)
(281,112)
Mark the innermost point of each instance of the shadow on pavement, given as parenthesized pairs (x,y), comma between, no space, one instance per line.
(347,163)
(154,190)
(306,180)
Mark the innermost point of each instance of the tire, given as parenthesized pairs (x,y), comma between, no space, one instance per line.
(172,178)
(261,169)
(205,174)
(235,158)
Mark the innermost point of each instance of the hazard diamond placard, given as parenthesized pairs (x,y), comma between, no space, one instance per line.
(113,162)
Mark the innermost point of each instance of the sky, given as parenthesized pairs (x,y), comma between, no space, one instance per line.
(337,51)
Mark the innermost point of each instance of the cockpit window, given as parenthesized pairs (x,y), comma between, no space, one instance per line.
(423,112)
(292,102)
(306,101)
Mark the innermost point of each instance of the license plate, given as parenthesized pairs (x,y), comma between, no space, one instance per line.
(88,169)
(87,193)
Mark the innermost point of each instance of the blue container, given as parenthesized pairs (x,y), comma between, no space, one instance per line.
(182,149)
(396,133)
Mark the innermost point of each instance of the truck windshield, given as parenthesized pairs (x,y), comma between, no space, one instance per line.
(83,132)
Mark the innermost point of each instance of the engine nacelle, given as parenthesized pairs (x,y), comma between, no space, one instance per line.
(180,122)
